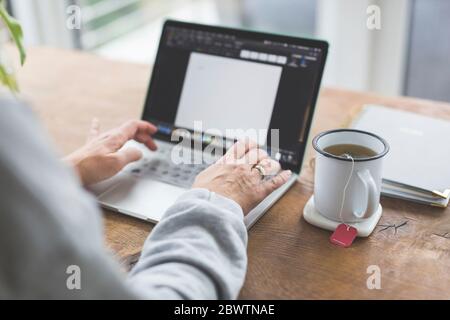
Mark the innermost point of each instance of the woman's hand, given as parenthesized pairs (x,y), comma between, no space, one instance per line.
(235,176)
(100,157)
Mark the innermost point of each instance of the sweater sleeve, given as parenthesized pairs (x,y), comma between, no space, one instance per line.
(197,251)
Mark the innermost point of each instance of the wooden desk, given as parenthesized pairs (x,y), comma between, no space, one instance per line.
(288,258)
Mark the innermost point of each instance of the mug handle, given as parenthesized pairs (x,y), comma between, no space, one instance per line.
(372,195)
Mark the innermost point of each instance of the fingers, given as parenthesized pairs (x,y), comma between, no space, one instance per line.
(265,168)
(137,127)
(94,130)
(253,156)
(143,133)
(277,181)
(271,167)
(147,140)
(138,130)
(238,150)
(127,156)
(246,152)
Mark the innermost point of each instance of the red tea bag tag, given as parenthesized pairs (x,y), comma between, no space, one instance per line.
(343,235)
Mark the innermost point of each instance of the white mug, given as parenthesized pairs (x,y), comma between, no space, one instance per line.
(362,195)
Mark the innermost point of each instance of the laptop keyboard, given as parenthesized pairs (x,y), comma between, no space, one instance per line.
(160,167)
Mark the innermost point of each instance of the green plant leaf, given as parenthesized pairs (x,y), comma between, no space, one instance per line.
(15,30)
(8,79)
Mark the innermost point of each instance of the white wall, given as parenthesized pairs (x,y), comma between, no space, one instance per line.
(43,22)
(359,58)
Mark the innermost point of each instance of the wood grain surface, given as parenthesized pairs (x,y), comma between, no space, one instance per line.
(288,258)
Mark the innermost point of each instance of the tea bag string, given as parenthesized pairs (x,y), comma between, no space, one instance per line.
(348,156)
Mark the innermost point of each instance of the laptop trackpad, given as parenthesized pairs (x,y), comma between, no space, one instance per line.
(143,198)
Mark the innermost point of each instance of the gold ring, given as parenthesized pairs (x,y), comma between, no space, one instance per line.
(260,169)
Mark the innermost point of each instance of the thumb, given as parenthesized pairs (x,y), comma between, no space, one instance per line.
(128,155)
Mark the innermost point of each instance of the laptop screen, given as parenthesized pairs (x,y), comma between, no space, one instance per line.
(236,84)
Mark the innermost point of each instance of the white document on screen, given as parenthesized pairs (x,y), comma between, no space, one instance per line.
(225,93)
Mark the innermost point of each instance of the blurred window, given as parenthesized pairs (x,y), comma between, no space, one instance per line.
(105,20)
(429,51)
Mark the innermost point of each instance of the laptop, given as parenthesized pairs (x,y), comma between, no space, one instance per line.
(211,86)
